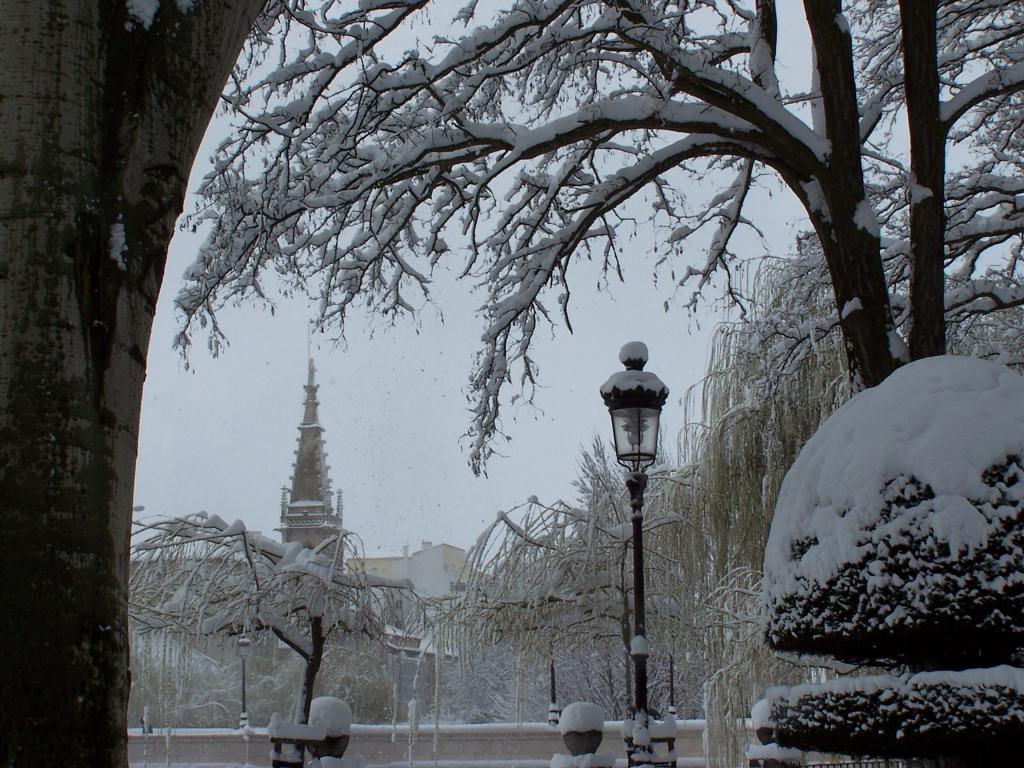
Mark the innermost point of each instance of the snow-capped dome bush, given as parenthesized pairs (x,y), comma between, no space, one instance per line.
(332,714)
(899,530)
(581,717)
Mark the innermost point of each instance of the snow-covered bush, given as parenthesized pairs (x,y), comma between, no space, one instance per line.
(580,717)
(903,517)
(898,539)
(977,711)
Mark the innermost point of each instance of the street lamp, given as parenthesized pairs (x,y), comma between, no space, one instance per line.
(244,646)
(634,398)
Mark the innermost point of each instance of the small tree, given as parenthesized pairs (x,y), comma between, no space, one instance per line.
(199,575)
(540,589)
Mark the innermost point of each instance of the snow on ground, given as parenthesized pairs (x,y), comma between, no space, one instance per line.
(591,760)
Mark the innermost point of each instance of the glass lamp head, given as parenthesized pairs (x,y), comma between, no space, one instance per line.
(634,398)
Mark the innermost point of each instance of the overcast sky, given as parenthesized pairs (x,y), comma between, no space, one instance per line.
(221,436)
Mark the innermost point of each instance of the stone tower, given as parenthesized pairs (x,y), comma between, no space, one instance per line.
(306,512)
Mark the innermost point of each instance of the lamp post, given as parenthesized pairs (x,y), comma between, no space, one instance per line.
(672,685)
(634,398)
(244,645)
(554,713)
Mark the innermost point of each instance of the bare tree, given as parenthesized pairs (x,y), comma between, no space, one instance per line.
(527,134)
(204,577)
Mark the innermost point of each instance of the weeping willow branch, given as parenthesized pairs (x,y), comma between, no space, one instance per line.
(755,416)
(556,580)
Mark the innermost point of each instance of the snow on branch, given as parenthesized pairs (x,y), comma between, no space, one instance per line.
(511,146)
(198,575)
(534,582)
(994,83)
(546,576)
(514,140)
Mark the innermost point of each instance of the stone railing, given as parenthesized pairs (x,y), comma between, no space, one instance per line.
(524,745)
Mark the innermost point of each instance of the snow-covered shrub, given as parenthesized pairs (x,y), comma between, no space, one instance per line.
(903,517)
(898,539)
(913,714)
(580,717)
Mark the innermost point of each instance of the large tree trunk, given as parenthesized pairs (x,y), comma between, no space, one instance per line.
(845,226)
(928,172)
(100,119)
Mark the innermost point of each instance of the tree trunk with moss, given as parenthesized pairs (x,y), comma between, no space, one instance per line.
(100,118)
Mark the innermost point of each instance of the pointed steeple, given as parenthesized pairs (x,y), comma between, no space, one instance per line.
(310,415)
(308,515)
(310,482)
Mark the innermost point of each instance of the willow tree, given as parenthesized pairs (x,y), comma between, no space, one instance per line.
(756,411)
(555,582)
(774,376)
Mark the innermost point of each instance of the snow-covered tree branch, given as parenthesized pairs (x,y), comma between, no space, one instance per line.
(556,582)
(510,149)
(201,576)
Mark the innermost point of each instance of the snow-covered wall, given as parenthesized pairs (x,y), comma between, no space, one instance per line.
(516,746)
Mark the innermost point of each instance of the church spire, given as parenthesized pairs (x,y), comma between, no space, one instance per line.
(308,515)
(311,404)
(310,482)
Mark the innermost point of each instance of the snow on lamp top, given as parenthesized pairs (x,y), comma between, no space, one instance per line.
(634,398)
(634,387)
(892,508)
(633,354)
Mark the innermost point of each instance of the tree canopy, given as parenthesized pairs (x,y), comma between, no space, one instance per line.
(511,148)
